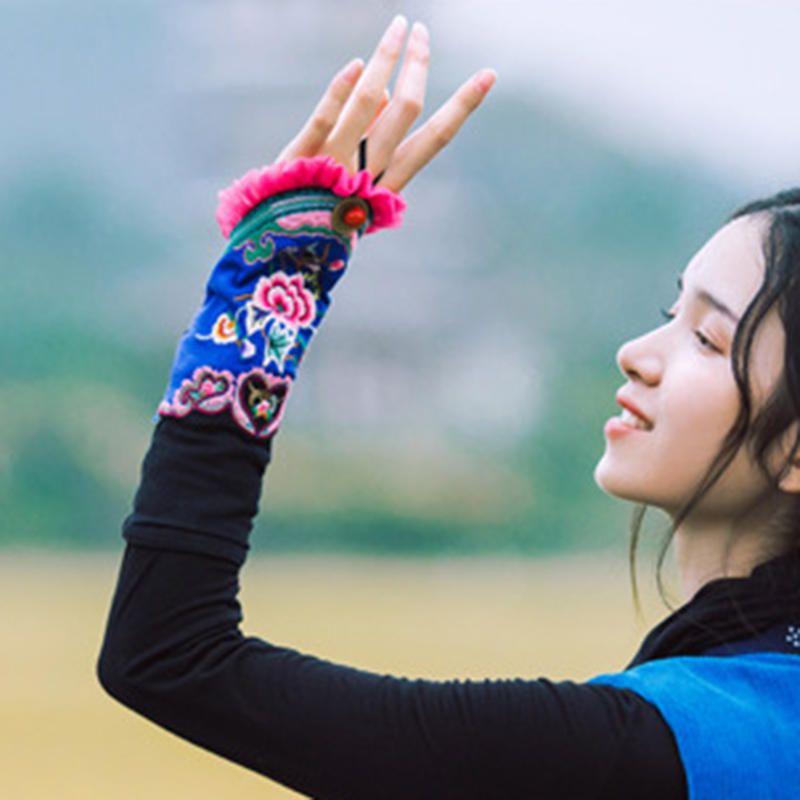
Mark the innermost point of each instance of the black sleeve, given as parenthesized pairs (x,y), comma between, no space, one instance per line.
(173,651)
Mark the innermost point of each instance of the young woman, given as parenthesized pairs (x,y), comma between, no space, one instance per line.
(710,705)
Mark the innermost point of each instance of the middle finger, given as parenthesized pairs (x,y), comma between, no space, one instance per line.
(360,109)
(409,98)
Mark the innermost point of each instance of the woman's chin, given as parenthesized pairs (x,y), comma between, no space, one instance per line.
(629,488)
(615,484)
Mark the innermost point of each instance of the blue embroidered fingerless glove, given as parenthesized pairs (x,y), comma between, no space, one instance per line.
(292,229)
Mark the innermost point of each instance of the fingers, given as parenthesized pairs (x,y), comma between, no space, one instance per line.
(353,163)
(419,148)
(324,117)
(357,103)
(384,102)
(360,108)
(406,106)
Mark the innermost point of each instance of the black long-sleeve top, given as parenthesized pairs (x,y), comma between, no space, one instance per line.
(173,651)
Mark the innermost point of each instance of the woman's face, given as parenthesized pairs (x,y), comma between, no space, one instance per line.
(680,377)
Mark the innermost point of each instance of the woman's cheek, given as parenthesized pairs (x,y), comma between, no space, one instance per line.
(701,432)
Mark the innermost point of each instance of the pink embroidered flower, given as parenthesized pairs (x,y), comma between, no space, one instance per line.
(263,409)
(285,297)
(208,390)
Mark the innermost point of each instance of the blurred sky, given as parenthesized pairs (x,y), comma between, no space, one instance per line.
(713,79)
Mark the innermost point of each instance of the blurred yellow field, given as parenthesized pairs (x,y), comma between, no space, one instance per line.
(64,739)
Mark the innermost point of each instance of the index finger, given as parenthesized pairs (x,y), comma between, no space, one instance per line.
(361,106)
(324,116)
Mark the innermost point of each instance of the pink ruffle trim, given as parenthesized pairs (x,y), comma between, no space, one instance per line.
(243,195)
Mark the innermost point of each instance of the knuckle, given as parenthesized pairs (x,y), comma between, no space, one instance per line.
(369,98)
(471,100)
(423,57)
(441,134)
(339,94)
(389,49)
(412,106)
(321,125)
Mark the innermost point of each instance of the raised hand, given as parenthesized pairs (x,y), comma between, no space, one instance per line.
(292,228)
(356,104)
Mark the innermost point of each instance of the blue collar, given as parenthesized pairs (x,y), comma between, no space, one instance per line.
(781,638)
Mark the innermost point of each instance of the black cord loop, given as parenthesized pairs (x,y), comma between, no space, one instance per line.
(362,160)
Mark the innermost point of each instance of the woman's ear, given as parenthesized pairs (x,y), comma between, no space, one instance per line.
(790,482)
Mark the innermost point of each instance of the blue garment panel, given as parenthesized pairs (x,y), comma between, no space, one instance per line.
(736,720)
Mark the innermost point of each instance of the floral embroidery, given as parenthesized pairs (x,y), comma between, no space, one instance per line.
(286,298)
(311,261)
(207,390)
(793,636)
(310,256)
(224,330)
(297,256)
(259,402)
(255,398)
(268,293)
(278,307)
(280,337)
(260,249)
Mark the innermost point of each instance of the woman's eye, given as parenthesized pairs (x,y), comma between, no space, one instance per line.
(704,340)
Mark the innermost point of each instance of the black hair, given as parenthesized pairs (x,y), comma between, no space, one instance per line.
(780,288)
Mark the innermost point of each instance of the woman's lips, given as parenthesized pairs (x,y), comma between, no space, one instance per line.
(615,427)
(625,402)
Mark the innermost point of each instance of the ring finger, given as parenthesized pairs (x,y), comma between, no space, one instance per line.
(406,106)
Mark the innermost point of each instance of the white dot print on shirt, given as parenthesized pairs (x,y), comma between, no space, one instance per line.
(793,636)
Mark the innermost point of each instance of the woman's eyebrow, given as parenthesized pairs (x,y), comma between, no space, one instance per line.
(708,298)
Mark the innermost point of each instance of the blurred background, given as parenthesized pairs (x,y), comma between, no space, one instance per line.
(437,453)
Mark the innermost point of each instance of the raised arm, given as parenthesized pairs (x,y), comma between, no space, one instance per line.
(173,649)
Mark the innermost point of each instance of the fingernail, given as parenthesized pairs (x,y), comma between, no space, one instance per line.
(485,79)
(350,72)
(397,27)
(420,31)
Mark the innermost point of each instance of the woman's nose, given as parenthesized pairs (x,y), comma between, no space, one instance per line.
(639,358)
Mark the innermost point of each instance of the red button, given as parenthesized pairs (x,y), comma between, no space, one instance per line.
(354,217)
